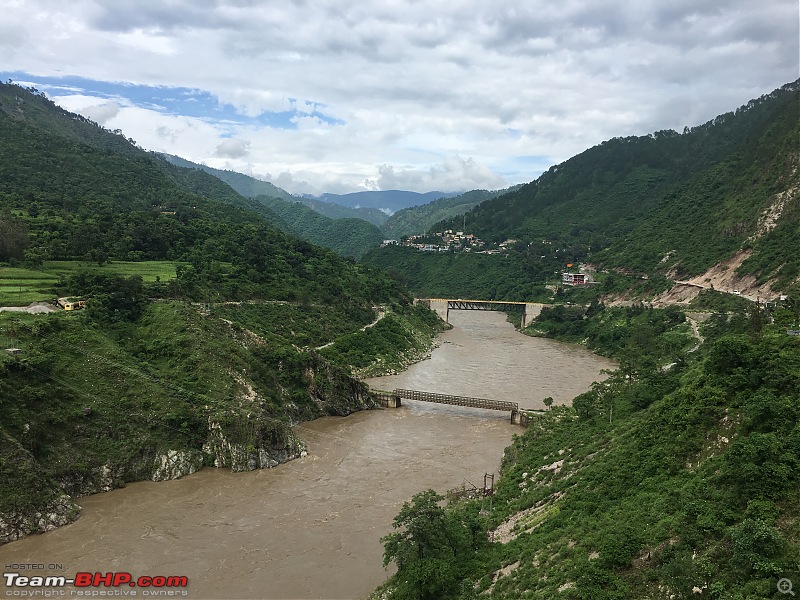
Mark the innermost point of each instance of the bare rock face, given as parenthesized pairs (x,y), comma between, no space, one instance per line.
(176,463)
(60,511)
(263,449)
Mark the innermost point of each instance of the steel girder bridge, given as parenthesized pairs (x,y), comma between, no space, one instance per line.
(443,306)
(394,398)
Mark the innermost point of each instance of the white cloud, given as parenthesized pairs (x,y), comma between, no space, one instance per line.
(233,148)
(102,113)
(454,173)
(429,90)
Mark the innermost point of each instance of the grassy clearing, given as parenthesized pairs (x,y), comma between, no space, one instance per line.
(149,271)
(21,286)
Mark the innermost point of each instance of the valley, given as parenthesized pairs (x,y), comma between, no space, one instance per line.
(231,333)
(312,527)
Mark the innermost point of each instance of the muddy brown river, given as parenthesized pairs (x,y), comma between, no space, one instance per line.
(311,528)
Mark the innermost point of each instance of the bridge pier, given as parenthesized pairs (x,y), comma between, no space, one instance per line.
(387,399)
(520,418)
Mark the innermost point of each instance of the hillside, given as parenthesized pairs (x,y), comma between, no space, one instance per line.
(669,204)
(337,211)
(247,186)
(417,220)
(677,477)
(308,219)
(209,362)
(348,237)
(388,201)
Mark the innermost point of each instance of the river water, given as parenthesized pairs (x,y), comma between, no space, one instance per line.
(311,528)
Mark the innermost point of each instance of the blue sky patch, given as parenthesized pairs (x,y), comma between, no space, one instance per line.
(532,164)
(188,102)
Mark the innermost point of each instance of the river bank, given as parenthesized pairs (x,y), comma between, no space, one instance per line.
(89,406)
(485,356)
(311,527)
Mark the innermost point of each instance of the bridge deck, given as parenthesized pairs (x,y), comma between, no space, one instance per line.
(485,305)
(458,400)
(481,301)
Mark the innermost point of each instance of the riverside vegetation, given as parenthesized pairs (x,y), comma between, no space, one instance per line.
(677,477)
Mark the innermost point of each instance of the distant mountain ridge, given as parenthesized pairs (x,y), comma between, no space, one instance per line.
(250,187)
(385,201)
(395,212)
(417,220)
(246,185)
(388,201)
(337,211)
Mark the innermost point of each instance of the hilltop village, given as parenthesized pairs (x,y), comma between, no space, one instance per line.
(450,241)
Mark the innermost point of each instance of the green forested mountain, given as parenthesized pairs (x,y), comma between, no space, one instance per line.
(247,186)
(26,105)
(417,220)
(348,237)
(82,200)
(389,201)
(250,187)
(154,380)
(337,211)
(670,203)
(462,275)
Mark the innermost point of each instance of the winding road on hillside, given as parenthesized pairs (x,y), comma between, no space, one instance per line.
(381,313)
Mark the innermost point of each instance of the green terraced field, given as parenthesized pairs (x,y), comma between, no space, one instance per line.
(21,286)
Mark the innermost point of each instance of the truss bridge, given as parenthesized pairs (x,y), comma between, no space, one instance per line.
(443,306)
(394,399)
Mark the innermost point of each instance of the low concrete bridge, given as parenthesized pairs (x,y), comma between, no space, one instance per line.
(443,306)
(394,400)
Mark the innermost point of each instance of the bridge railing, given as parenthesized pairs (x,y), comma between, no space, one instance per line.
(457,400)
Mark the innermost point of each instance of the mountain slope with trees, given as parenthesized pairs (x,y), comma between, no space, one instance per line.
(247,186)
(677,477)
(417,220)
(348,237)
(154,380)
(388,201)
(672,204)
(329,225)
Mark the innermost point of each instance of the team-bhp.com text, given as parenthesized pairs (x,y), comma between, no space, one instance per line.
(94,584)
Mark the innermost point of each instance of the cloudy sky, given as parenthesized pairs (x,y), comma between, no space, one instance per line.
(342,95)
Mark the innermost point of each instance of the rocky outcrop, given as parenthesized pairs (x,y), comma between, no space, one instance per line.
(58,512)
(176,463)
(251,429)
(265,449)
